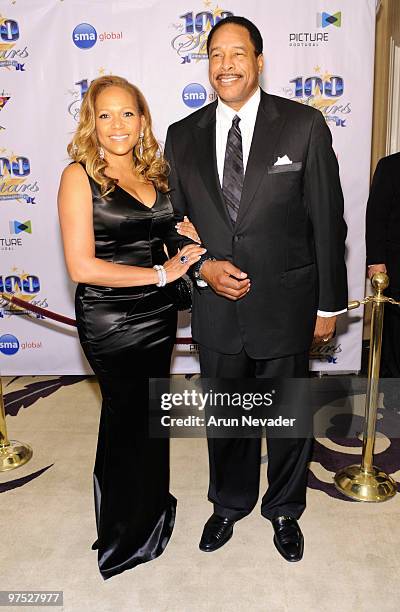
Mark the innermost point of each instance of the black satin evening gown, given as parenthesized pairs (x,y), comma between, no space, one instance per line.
(127,335)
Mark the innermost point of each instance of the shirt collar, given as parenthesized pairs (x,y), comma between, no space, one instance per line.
(248,111)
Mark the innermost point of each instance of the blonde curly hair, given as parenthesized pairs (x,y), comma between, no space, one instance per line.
(148,160)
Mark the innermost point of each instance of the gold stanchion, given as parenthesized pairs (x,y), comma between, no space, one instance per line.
(366,482)
(12,453)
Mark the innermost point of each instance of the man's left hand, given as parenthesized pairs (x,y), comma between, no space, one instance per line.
(324,329)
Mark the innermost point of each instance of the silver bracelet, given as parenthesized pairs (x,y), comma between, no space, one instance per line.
(157,269)
(162,276)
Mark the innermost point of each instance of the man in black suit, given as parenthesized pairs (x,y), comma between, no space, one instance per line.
(383,255)
(259,180)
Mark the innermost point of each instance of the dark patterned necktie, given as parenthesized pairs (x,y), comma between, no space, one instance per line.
(232,182)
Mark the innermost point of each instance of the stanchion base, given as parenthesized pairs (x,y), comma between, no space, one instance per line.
(14,455)
(374,486)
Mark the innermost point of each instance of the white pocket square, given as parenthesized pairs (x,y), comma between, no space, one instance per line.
(282,161)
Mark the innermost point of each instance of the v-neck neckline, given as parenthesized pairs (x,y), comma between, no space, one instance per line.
(139,201)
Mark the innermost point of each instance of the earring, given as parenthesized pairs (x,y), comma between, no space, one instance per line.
(101,152)
(141,136)
(74,149)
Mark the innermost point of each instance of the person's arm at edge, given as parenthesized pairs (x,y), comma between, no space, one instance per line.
(379,207)
(325,203)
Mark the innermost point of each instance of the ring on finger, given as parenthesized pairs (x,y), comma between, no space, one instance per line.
(184,259)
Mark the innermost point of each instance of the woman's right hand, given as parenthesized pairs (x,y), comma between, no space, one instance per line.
(174,266)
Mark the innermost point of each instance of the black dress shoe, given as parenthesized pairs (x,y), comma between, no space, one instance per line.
(288,538)
(217,531)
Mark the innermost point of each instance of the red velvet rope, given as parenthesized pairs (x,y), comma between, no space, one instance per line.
(61,318)
(41,311)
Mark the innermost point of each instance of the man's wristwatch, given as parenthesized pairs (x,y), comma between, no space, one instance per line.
(197,270)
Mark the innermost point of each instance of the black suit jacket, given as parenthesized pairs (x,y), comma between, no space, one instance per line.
(289,236)
(383,219)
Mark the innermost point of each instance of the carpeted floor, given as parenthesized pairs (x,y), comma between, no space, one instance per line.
(351,561)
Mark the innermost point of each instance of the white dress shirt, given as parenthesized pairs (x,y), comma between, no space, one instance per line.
(224,116)
(248,116)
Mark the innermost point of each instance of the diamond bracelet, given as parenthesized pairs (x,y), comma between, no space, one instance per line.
(162,276)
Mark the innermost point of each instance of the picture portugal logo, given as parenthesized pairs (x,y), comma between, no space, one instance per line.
(325,20)
(16,227)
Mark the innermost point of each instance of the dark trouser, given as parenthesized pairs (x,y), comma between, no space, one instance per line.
(235,463)
(390,363)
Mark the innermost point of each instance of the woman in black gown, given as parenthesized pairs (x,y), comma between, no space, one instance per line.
(116,218)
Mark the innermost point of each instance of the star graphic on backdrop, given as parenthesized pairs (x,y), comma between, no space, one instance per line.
(6,47)
(326,76)
(216,13)
(317,69)
(102,71)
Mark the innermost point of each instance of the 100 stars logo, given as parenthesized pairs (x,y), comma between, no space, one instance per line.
(324,91)
(11,54)
(78,92)
(24,286)
(15,180)
(190,42)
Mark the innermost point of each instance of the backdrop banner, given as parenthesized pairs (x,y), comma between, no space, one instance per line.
(317,52)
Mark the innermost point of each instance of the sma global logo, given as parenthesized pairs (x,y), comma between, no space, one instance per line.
(84,36)
(194,95)
(9,344)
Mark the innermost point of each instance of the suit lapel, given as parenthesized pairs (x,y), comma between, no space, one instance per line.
(205,148)
(267,129)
